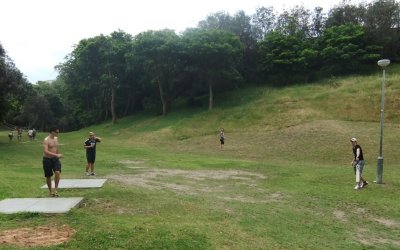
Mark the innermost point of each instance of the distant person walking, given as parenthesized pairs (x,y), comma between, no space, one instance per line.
(90,146)
(10,135)
(34,134)
(358,164)
(222,138)
(30,134)
(19,134)
(51,160)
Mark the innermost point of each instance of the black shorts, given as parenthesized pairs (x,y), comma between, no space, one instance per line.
(222,140)
(51,165)
(91,157)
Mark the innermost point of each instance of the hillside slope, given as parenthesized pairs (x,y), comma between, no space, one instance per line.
(309,123)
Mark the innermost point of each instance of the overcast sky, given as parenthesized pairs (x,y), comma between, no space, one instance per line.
(38,34)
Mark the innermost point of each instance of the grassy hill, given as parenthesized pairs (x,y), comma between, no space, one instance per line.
(262,123)
(283,181)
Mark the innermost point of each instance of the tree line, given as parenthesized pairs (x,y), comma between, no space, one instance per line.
(110,76)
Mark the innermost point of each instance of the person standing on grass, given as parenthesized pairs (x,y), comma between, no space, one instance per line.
(10,135)
(51,160)
(90,146)
(30,134)
(222,137)
(19,134)
(34,134)
(358,164)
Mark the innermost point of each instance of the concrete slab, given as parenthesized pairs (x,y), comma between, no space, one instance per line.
(39,205)
(79,183)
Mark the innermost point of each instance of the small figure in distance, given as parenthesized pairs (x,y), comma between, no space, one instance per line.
(90,146)
(30,134)
(51,160)
(358,164)
(222,138)
(34,134)
(19,134)
(10,135)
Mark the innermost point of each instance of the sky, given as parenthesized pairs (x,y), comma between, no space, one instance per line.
(38,35)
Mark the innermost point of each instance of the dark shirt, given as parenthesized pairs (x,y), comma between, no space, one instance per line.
(88,142)
(361,157)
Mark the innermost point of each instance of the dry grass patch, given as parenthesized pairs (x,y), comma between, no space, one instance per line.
(233,185)
(340,215)
(364,237)
(37,236)
(387,222)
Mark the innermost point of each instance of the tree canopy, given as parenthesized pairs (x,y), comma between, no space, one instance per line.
(111,76)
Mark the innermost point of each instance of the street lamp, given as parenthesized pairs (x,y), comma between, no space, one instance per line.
(379,168)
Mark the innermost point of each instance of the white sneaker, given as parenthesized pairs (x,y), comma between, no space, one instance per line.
(87,173)
(357,187)
(92,174)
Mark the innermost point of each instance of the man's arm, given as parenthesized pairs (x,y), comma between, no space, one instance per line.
(358,154)
(86,144)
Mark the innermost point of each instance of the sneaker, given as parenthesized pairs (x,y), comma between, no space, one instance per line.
(87,173)
(357,187)
(93,174)
(365,183)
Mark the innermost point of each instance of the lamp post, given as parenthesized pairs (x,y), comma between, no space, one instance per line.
(379,168)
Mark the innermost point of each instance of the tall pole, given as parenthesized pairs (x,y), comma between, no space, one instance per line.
(379,169)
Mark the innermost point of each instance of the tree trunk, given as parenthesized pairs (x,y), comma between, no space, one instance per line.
(163,101)
(210,100)
(129,106)
(105,105)
(113,113)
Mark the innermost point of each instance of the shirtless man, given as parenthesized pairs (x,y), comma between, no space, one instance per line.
(51,160)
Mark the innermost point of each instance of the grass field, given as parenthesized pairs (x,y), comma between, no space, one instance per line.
(283,181)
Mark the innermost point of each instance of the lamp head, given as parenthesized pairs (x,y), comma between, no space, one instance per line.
(383,63)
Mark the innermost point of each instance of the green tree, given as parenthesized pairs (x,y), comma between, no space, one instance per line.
(81,73)
(240,25)
(213,55)
(295,22)
(382,25)
(346,14)
(14,88)
(93,73)
(114,55)
(37,112)
(286,56)
(318,22)
(345,49)
(157,53)
(263,22)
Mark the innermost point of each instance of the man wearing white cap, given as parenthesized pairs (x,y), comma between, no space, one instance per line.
(358,164)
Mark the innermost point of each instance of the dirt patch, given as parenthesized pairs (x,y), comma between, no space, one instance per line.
(255,200)
(191,182)
(387,222)
(37,236)
(364,237)
(340,215)
(198,174)
(130,162)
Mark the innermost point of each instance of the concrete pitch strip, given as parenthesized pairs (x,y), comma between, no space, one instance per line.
(39,205)
(50,205)
(79,183)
